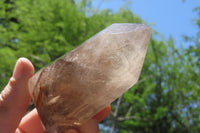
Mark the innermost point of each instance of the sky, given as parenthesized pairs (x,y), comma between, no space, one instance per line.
(169,17)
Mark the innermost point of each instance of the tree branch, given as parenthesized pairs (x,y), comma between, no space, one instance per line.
(38,59)
(129,110)
(115,114)
(144,79)
(132,118)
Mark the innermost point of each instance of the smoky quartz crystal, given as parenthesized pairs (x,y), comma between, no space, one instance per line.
(75,87)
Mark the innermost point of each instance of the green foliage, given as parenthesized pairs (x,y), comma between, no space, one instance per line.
(45,30)
(7,59)
(166,97)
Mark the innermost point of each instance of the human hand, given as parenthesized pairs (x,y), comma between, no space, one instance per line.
(15,98)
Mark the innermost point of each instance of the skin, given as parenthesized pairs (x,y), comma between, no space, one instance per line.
(15,98)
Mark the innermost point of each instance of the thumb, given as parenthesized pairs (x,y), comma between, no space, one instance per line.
(15,97)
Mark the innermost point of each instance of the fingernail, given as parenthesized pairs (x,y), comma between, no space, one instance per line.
(102,114)
(17,70)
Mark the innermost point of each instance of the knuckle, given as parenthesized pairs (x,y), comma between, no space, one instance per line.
(12,82)
(5,94)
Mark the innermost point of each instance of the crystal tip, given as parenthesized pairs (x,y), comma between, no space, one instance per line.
(118,28)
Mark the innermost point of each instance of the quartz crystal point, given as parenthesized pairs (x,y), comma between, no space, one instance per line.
(75,87)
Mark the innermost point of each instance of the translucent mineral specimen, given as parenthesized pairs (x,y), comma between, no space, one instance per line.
(75,87)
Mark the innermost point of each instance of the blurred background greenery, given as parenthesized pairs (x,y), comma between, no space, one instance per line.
(166,97)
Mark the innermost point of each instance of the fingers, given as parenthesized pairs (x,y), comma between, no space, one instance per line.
(31,123)
(102,114)
(15,98)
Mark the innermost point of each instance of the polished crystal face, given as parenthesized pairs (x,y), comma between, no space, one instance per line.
(75,87)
